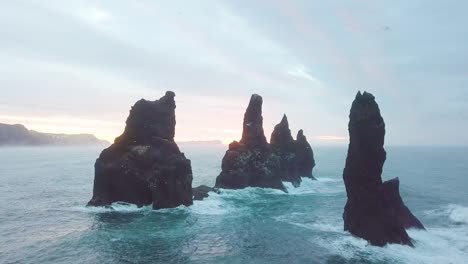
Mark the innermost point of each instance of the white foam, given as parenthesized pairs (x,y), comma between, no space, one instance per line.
(215,204)
(431,247)
(115,207)
(436,245)
(250,193)
(319,224)
(324,227)
(456,214)
(325,179)
(227,201)
(319,186)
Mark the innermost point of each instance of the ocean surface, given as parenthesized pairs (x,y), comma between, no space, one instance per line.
(43,218)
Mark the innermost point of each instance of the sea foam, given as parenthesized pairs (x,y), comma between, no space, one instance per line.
(319,186)
(431,247)
(118,207)
(456,214)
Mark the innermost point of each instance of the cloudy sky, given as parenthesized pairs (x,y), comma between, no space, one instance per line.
(77,66)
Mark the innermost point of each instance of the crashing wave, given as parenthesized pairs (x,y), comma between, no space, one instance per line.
(456,214)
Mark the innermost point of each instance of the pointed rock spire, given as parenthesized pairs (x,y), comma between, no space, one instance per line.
(281,137)
(252,133)
(284,121)
(304,156)
(374,210)
(296,156)
(250,162)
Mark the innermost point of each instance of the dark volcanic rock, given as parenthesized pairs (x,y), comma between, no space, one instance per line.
(374,210)
(281,138)
(149,120)
(296,157)
(201,192)
(392,198)
(251,162)
(304,156)
(252,133)
(144,165)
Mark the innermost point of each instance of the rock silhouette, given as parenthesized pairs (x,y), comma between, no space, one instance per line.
(251,162)
(144,165)
(253,135)
(296,156)
(304,155)
(374,210)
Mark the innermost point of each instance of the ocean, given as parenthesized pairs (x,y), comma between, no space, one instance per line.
(43,218)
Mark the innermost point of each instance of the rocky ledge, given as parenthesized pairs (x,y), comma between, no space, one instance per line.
(201,192)
(374,210)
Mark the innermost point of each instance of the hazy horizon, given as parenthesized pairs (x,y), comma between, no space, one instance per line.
(78,66)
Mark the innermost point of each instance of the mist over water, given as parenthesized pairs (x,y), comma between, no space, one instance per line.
(43,218)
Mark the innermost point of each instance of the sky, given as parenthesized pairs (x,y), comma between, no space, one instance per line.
(78,66)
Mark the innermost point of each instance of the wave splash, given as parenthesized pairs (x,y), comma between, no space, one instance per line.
(119,207)
(224,202)
(319,186)
(438,244)
(456,214)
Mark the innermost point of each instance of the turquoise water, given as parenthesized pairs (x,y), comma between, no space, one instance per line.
(43,218)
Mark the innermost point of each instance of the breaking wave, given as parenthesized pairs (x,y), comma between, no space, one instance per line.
(456,214)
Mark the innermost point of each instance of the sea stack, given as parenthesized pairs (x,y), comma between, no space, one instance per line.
(304,156)
(296,156)
(144,166)
(374,210)
(251,162)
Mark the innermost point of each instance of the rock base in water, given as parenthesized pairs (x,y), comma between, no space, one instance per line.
(249,167)
(253,162)
(144,166)
(374,210)
(296,156)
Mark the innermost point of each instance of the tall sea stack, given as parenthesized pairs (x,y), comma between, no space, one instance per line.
(374,210)
(251,162)
(304,156)
(144,165)
(296,156)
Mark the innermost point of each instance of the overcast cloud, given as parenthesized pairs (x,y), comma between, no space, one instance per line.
(78,66)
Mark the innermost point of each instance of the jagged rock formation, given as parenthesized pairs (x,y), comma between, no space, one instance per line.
(19,135)
(251,161)
(296,156)
(144,165)
(374,210)
(304,155)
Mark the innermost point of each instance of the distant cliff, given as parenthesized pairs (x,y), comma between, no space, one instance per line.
(19,135)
